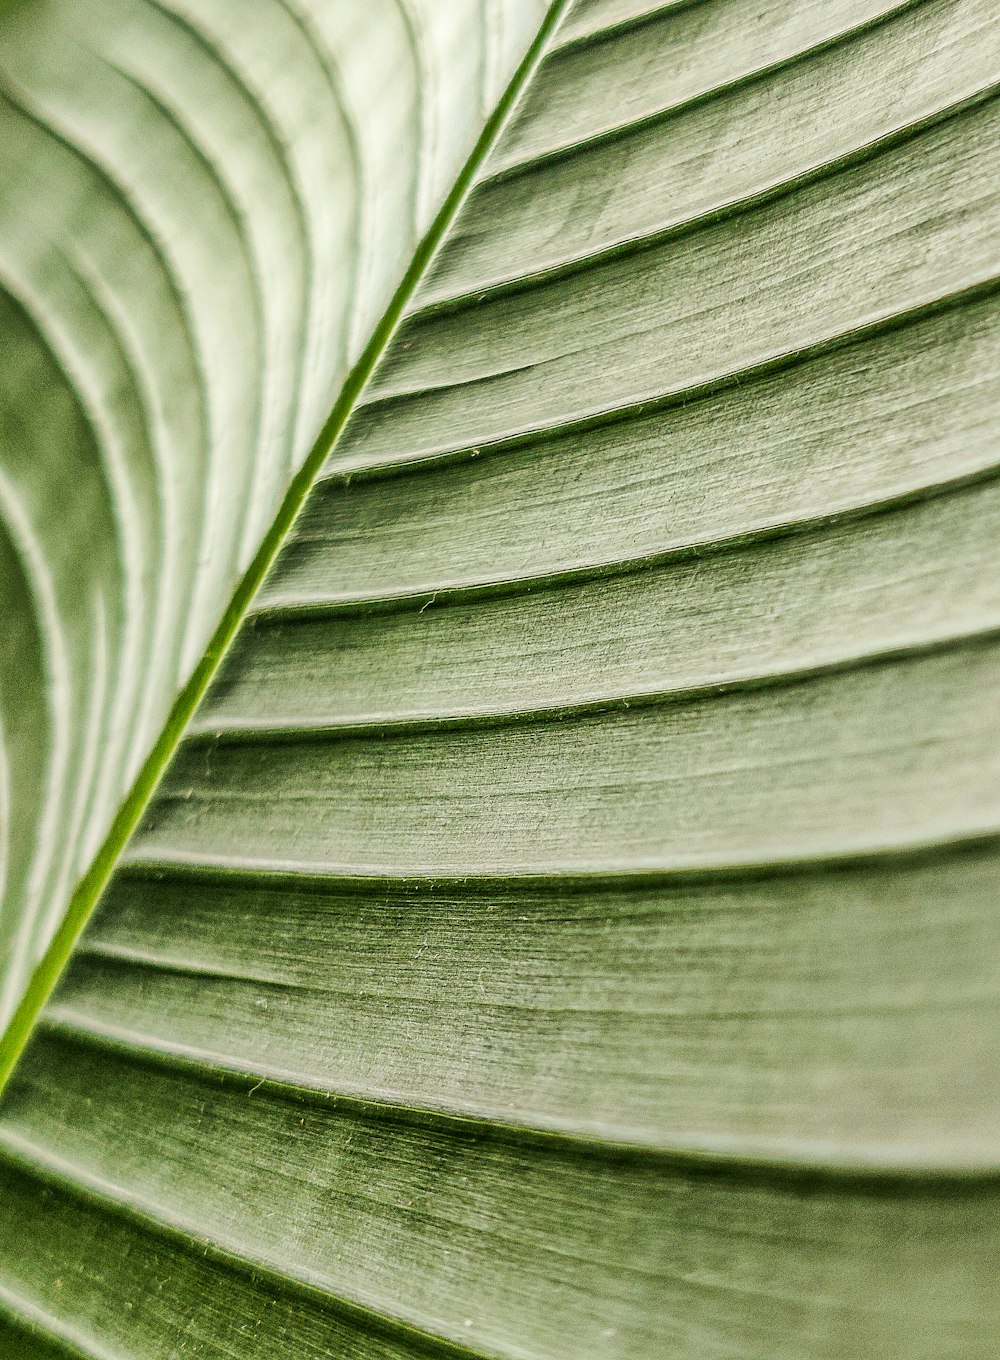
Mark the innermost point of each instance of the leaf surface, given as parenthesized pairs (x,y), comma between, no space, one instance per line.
(568,928)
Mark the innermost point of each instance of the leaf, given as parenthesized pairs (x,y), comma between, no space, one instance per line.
(568,928)
(154,407)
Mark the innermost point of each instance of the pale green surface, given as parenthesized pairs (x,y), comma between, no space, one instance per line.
(155,402)
(570,928)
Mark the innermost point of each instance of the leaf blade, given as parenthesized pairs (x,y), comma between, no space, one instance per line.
(528,1022)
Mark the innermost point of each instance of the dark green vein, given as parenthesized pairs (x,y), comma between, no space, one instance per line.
(609,135)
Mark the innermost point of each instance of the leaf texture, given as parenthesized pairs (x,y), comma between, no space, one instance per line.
(154,404)
(569,928)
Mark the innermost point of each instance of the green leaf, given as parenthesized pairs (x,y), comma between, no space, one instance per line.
(568,928)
